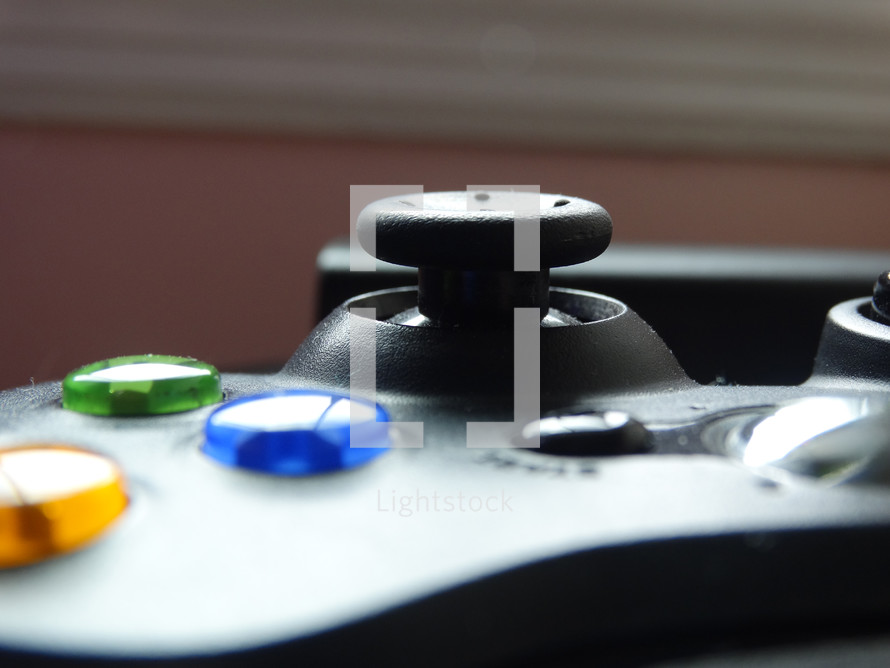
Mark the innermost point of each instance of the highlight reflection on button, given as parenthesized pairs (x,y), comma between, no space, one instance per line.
(141,385)
(55,499)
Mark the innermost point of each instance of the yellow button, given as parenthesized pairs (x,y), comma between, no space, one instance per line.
(54,499)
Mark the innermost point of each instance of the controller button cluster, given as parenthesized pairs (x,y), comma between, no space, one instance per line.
(297,432)
(141,385)
(54,499)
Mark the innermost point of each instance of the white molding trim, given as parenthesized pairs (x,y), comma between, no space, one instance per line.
(793,77)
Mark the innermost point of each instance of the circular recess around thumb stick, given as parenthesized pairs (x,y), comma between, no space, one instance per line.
(475,230)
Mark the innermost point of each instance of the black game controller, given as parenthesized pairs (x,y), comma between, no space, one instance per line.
(480,471)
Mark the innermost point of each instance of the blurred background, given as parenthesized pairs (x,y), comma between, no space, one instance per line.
(169,171)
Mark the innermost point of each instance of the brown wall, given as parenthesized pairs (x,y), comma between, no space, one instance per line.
(116,242)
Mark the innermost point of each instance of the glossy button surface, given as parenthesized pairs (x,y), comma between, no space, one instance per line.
(297,432)
(54,499)
(141,385)
(833,438)
(588,435)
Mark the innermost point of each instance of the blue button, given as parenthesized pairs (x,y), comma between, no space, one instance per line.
(297,432)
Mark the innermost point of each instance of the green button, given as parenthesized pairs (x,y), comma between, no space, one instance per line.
(141,385)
